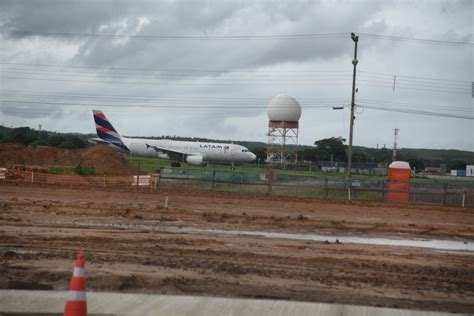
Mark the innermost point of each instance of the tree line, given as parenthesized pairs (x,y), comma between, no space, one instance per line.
(30,137)
(327,149)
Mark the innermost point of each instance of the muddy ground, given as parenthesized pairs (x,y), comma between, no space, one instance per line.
(42,228)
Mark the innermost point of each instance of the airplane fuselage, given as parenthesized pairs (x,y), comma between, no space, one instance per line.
(210,152)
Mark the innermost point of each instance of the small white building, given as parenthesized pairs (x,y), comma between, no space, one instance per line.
(470,171)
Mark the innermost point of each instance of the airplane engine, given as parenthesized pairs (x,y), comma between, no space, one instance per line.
(162,155)
(195,160)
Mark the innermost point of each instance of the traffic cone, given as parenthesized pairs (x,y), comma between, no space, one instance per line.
(76,304)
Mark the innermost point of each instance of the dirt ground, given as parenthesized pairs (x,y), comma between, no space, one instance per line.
(104,160)
(42,228)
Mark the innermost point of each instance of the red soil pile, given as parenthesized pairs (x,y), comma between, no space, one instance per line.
(103,159)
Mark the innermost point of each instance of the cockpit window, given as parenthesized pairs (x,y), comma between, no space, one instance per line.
(245,150)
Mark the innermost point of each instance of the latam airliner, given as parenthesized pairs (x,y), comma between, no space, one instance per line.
(194,153)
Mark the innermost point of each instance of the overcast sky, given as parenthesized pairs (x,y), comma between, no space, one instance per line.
(173,55)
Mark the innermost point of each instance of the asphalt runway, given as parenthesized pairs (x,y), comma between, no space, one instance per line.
(101,303)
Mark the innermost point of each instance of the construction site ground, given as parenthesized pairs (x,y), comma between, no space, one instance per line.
(134,244)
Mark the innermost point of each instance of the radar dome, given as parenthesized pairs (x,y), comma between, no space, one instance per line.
(284,108)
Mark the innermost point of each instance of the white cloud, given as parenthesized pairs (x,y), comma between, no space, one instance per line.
(270,67)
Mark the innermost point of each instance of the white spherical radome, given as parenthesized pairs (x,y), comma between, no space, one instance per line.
(284,108)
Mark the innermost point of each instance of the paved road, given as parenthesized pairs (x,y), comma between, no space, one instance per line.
(100,303)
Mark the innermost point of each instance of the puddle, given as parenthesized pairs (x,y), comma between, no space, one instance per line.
(464,247)
(447,245)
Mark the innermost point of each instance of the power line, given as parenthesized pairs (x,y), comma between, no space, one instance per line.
(19,33)
(155,106)
(158,98)
(175,70)
(415,77)
(200,99)
(416,40)
(266,82)
(160,77)
(411,104)
(305,36)
(166,105)
(254,72)
(230,76)
(167,83)
(419,112)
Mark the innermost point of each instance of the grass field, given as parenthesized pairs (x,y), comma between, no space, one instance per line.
(150,165)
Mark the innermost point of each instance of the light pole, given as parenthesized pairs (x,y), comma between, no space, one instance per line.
(355,38)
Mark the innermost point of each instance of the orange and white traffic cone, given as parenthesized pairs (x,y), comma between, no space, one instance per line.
(76,304)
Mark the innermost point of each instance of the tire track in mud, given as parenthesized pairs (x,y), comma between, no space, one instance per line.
(248,262)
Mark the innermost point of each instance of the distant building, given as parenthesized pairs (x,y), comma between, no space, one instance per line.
(470,171)
(368,168)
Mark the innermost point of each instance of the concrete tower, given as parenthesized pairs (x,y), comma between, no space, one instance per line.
(284,113)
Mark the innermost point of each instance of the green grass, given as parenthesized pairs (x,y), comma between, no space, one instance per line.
(148,165)
(151,165)
(60,169)
(80,170)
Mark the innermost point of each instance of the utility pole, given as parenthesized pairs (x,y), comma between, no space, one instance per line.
(394,152)
(354,38)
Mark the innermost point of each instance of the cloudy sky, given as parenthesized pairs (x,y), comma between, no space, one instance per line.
(209,68)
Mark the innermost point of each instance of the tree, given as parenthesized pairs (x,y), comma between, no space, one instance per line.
(458,164)
(331,149)
(23,135)
(66,141)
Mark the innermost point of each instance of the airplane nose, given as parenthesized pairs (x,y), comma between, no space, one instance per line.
(253,157)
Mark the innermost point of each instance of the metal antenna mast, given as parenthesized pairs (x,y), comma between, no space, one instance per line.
(394,152)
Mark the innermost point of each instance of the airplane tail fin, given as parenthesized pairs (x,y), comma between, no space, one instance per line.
(106,131)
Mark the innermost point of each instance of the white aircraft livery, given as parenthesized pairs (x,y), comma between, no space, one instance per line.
(194,153)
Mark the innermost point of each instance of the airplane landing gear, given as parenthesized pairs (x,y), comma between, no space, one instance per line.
(176,164)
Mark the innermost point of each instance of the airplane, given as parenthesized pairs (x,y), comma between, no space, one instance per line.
(194,153)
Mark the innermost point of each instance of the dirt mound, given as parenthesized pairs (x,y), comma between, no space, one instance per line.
(103,159)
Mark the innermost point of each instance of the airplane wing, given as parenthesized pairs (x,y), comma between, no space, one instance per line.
(172,154)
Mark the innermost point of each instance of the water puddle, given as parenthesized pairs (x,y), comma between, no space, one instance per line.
(447,245)
(452,246)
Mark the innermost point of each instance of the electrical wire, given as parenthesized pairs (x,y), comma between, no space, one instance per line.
(18,33)
(306,36)
(415,40)
(419,112)
(155,106)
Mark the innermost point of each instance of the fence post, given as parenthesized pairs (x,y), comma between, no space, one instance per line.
(270,182)
(463,198)
(383,190)
(159,177)
(326,189)
(166,201)
(32,176)
(138,172)
(445,192)
(213,180)
(349,193)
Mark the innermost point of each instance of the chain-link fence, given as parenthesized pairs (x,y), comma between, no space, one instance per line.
(272,183)
(74,180)
(267,183)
